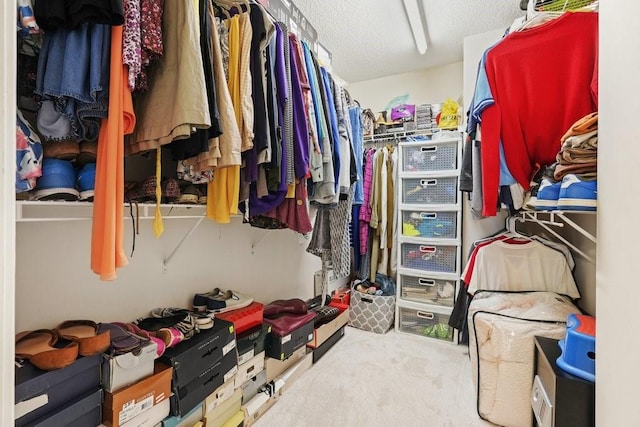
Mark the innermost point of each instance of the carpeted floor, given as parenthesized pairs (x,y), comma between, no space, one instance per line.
(387,380)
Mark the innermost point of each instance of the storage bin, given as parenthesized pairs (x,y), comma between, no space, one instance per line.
(374,313)
(430,157)
(427,290)
(430,224)
(430,191)
(578,355)
(425,323)
(429,257)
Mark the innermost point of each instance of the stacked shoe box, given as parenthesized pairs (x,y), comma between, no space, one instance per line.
(423,117)
(201,365)
(291,327)
(67,396)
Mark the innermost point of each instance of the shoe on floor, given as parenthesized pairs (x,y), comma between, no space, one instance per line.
(577,195)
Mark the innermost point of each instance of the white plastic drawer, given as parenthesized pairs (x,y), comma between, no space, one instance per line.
(430,191)
(429,257)
(425,323)
(428,158)
(430,224)
(427,290)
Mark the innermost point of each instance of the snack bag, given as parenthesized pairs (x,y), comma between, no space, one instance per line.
(449,115)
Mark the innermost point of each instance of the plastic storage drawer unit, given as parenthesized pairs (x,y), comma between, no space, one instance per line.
(429,257)
(425,323)
(427,158)
(427,291)
(430,191)
(430,224)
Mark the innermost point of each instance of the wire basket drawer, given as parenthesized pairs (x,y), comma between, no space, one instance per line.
(427,290)
(430,191)
(430,224)
(427,158)
(429,257)
(425,323)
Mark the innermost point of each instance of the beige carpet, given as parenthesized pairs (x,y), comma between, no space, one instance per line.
(374,380)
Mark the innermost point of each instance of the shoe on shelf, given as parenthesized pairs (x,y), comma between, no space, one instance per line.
(548,194)
(577,195)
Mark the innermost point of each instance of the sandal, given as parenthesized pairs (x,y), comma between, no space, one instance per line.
(38,347)
(134,329)
(121,340)
(185,324)
(171,336)
(85,333)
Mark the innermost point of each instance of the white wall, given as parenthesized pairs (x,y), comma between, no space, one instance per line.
(53,284)
(431,86)
(618,267)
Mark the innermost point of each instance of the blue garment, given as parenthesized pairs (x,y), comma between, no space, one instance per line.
(358,150)
(483,99)
(333,125)
(315,95)
(73,70)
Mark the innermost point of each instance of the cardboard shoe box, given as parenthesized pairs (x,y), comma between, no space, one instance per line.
(250,388)
(321,334)
(274,367)
(187,397)
(278,347)
(124,405)
(294,373)
(325,346)
(192,357)
(150,418)
(249,369)
(188,420)
(38,392)
(259,404)
(219,395)
(85,411)
(126,369)
(224,412)
(251,342)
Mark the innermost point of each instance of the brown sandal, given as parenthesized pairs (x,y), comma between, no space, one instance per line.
(38,347)
(85,333)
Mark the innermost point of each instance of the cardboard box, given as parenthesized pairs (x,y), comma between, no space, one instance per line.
(191,358)
(224,412)
(252,342)
(275,367)
(38,393)
(245,318)
(323,333)
(187,397)
(126,369)
(188,420)
(151,418)
(235,421)
(261,403)
(85,411)
(292,374)
(250,388)
(219,395)
(325,346)
(126,404)
(282,348)
(249,369)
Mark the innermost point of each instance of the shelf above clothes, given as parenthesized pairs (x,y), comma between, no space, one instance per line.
(395,136)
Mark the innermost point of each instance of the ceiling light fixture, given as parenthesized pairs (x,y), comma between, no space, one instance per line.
(418,29)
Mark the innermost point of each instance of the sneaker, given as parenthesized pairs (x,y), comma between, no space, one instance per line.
(229,300)
(577,195)
(547,196)
(85,181)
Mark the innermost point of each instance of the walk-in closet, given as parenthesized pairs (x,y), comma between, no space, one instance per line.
(340,213)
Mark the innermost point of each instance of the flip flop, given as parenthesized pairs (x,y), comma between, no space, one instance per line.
(38,347)
(85,333)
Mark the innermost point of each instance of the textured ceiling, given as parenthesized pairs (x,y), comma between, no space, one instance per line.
(372,38)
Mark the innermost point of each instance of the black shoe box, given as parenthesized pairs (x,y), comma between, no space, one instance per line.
(330,342)
(197,355)
(39,393)
(251,342)
(281,348)
(187,397)
(84,411)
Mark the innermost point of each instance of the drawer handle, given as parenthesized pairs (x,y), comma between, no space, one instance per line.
(425,315)
(426,282)
(431,148)
(428,215)
(428,182)
(427,249)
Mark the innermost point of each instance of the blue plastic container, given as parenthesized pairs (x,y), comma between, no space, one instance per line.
(579,347)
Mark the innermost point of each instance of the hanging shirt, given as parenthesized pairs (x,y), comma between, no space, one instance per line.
(555,64)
